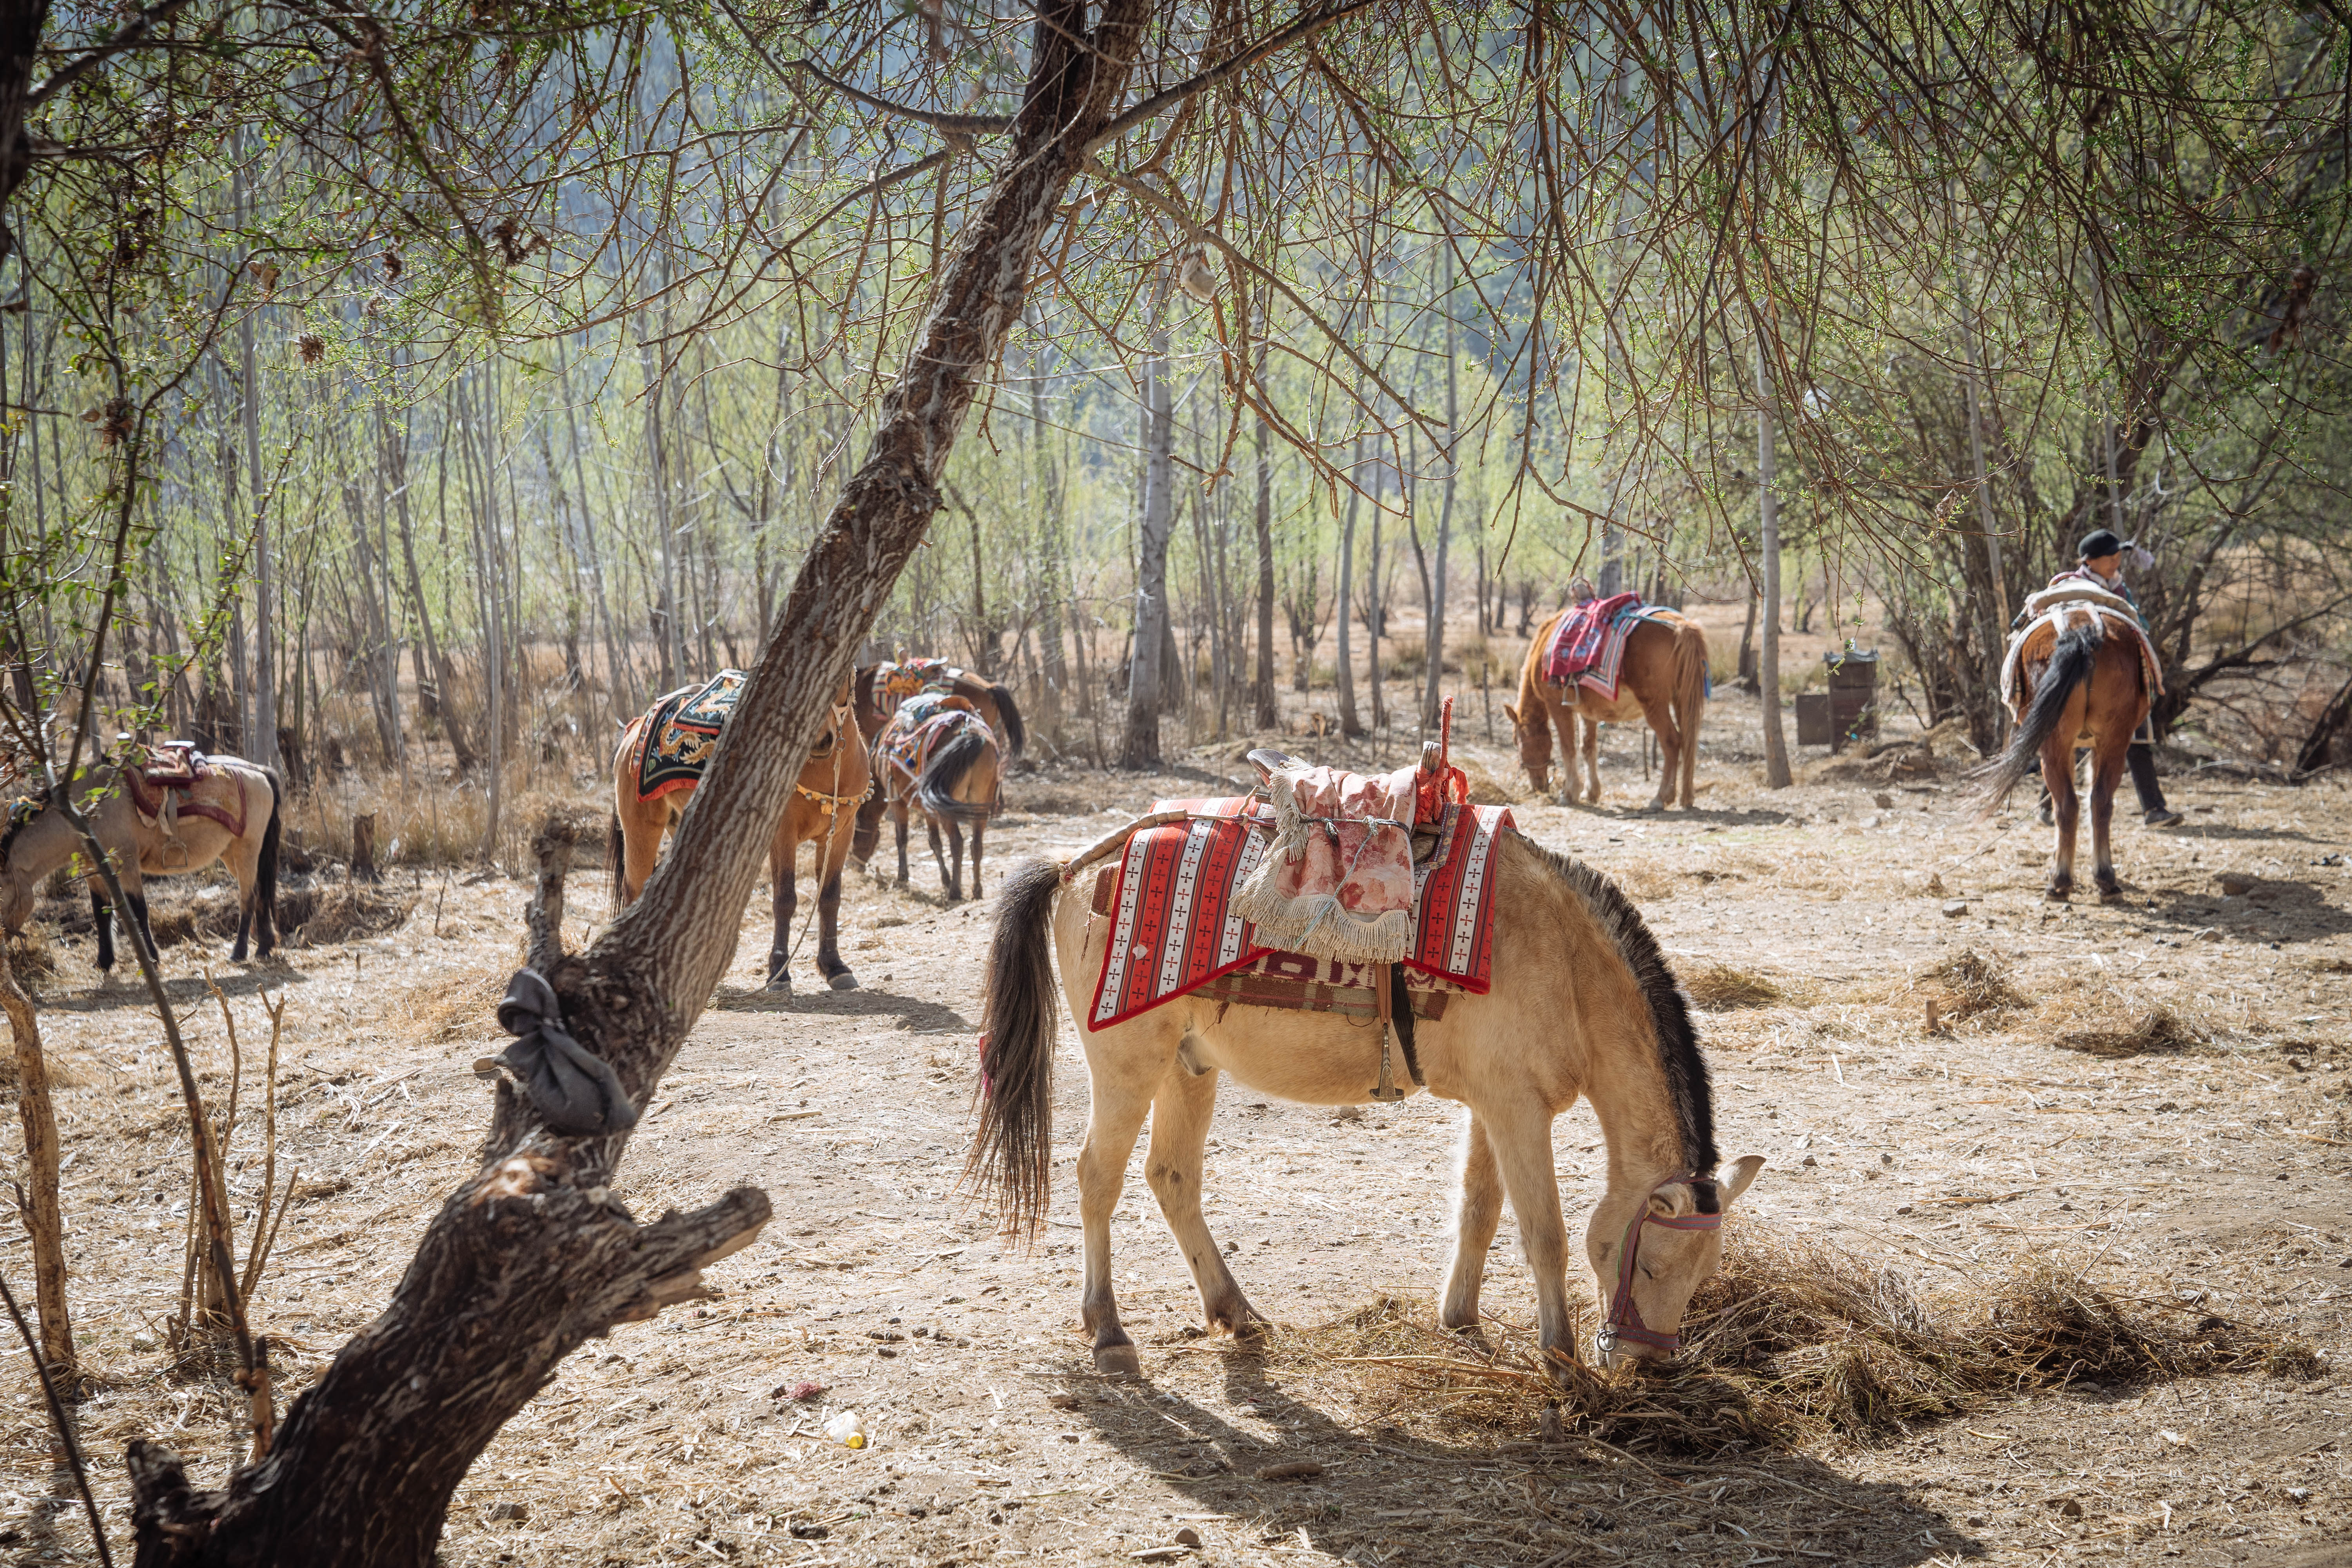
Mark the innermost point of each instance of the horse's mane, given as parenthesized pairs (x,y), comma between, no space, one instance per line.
(1677,1040)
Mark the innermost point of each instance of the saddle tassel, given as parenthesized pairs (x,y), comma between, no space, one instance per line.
(1383,993)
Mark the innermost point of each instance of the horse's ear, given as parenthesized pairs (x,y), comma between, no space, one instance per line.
(1734,1182)
(1510,712)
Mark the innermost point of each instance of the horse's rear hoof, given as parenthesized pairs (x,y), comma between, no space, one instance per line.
(845,981)
(1118,1361)
(2057,895)
(780,985)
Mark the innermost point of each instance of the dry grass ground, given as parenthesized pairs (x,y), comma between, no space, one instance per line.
(2064,1278)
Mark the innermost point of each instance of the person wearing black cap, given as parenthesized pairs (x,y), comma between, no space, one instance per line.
(2101,566)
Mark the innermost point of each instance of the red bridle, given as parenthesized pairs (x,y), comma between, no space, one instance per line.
(1624,1322)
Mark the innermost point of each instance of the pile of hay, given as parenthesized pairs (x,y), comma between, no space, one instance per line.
(1972,984)
(1716,987)
(1792,1341)
(2158,1030)
(313,915)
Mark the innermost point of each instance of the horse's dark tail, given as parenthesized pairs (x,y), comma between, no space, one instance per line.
(953,758)
(616,848)
(1012,1158)
(1015,735)
(265,880)
(2070,666)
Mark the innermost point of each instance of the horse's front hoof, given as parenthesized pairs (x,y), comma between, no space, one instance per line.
(2059,892)
(845,981)
(1118,1361)
(2110,890)
(780,985)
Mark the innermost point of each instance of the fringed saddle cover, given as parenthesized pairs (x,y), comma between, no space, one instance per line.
(171,783)
(1175,928)
(683,733)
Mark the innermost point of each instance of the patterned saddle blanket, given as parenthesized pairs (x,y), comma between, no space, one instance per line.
(1175,928)
(916,730)
(894,682)
(1588,650)
(174,780)
(683,732)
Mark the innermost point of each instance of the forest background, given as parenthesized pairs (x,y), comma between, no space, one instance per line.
(453,402)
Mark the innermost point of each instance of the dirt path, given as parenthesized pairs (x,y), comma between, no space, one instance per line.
(2209,1175)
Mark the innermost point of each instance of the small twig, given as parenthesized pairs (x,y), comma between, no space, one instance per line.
(57,1415)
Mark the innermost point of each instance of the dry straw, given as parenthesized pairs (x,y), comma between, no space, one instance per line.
(1792,1341)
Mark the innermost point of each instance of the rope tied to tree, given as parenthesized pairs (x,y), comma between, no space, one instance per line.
(573,1088)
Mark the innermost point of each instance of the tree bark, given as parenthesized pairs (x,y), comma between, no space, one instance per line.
(1141,748)
(534,1254)
(1344,675)
(44,1211)
(1433,642)
(1264,712)
(1776,741)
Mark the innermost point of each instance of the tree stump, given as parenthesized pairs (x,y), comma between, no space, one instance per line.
(364,847)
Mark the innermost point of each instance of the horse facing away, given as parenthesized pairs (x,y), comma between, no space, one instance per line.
(824,809)
(1662,680)
(991,701)
(958,787)
(39,841)
(1582,1004)
(2088,688)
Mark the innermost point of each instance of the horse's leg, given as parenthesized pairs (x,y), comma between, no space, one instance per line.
(244,862)
(828,912)
(1520,1137)
(1179,1133)
(2065,806)
(1113,1119)
(103,913)
(2106,772)
(939,855)
(1477,1210)
(782,862)
(955,860)
(1591,741)
(1670,745)
(899,816)
(977,828)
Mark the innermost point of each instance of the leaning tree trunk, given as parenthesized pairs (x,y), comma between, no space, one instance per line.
(536,1254)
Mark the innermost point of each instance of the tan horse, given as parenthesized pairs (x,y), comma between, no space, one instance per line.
(822,810)
(1582,1004)
(2088,688)
(960,785)
(39,841)
(1662,679)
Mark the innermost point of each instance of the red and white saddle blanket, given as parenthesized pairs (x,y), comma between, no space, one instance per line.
(167,782)
(1176,926)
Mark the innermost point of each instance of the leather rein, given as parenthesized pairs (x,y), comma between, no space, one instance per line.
(1624,1322)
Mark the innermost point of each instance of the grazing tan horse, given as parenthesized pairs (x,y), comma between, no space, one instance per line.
(187,837)
(2089,688)
(1582,1004)
(1662,679)
(961,777)
(824,809)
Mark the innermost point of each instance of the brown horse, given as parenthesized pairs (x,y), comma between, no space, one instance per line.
(1662,679)
(1582,1005)
(880,687)
(231,816)
(824,809)
(2087,688)
(961,776)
